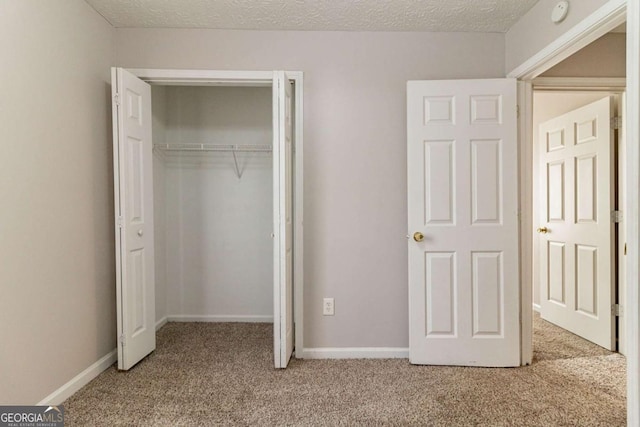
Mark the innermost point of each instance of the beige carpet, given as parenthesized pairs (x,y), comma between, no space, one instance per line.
(221,374)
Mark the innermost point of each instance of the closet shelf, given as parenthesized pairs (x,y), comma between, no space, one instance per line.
(235,148)
(232,148)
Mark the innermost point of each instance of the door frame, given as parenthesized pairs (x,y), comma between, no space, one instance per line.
(259,78)
(600,22)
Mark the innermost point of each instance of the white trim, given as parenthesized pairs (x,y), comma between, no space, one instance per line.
(632,214)
(298,215)
(611,84)
(622,226)
(355,353)
(160,323)
(80,380)
(219,318)
(203,77)
(603,20)
(536,307)
(117,208)
(525,198)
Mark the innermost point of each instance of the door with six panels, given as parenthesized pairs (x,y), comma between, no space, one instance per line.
(464,288)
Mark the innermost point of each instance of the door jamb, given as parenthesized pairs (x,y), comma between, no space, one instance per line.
(604,19)
(259,78)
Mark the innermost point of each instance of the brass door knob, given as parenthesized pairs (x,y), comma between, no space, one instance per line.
(418,236)
(543,230)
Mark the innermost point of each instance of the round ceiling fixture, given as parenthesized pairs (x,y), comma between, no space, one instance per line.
(560,11)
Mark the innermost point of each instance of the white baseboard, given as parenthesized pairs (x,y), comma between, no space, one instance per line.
(536,308)
(354,353)
(160,323)
(80,380)
(219,318)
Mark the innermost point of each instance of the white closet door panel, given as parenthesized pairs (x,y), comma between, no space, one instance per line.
(134,218)
(283,219)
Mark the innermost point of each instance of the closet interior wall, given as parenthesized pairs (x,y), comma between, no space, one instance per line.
(213,220)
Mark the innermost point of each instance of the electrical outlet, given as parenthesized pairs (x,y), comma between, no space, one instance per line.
(328,307)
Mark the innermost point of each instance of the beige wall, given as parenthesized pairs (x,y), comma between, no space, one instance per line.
(534,31)
(355,152)
(605,57)
(57,303)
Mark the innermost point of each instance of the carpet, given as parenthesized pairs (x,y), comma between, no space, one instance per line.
(205,374)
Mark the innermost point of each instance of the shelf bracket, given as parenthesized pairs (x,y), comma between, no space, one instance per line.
(235,162)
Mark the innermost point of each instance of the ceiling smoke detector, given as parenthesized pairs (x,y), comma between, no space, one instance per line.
(559,12)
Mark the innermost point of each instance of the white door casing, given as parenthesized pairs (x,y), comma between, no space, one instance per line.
(622,227)
(576,202)
(282,215)
(133,175)
(464,290)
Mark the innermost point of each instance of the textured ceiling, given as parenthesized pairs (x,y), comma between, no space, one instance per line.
(339,15)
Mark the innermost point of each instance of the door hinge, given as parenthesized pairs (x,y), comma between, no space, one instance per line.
(616,216)
(616,122)
(116,99)
(122,340)
(119,221)
(617,310)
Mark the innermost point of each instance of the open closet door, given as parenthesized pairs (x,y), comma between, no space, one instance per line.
(133,188)
(283,225)
(464,287)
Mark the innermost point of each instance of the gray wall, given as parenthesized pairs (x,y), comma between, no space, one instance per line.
(57,309)
(355,152)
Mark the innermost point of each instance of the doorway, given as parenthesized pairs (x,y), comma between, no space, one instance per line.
(577,194)
(197,222)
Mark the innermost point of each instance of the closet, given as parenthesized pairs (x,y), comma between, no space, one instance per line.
(213,203)
(204,204)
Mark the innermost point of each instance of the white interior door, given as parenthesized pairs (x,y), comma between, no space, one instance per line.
(464,283)
(283,224)
(134,217)
(576,203)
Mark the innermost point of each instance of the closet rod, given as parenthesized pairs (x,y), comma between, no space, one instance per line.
(214,147)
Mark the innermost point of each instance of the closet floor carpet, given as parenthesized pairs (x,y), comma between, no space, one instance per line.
(222,374)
